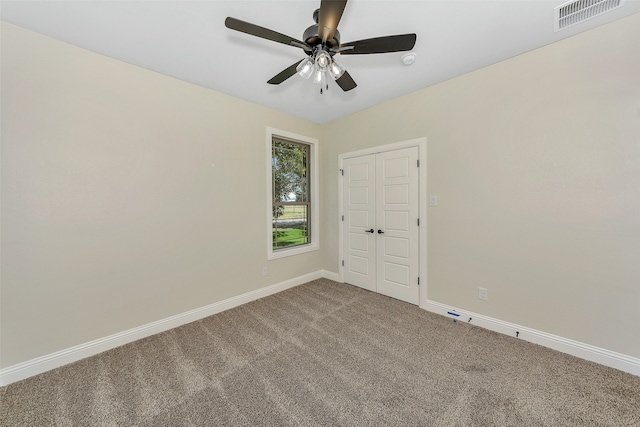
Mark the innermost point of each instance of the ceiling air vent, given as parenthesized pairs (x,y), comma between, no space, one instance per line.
(573,12)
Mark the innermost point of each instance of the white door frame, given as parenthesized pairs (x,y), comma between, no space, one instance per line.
(421,143)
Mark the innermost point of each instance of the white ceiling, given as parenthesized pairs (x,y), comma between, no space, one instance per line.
(188,40)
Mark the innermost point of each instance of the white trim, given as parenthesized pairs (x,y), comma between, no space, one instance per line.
(51,361)
(423,201)
(584,351)
(421,143)
(384,148)
(330,275)
(315,216)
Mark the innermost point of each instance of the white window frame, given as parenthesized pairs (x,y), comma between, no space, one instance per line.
(314,245)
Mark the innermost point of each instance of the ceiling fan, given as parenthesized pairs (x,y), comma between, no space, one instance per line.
(321,42)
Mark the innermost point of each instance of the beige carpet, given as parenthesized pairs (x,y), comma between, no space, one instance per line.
(328,354)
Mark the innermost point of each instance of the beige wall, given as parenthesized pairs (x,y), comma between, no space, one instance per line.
(127,196)
(536,165)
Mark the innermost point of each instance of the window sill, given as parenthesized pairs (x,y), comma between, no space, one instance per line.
(283,253)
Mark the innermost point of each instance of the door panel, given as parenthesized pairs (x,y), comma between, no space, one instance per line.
(397,247)
(360,171)
(397,274)
(396,221)
(397,181)
(359,195)
(396,167)
(359,216)
(397,194)
(358,242)
(359,267)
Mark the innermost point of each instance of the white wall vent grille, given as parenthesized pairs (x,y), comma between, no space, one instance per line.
(576,11)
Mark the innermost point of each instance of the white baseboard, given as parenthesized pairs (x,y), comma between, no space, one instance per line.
(330,275)
(51,361)
(584,351)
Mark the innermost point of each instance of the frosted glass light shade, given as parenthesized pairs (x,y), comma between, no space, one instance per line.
(305,68)
(323,59)
(336,70)
(317,77)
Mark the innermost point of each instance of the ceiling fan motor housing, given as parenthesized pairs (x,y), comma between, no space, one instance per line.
(311,37)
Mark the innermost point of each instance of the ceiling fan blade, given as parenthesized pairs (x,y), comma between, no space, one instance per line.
(265,33)
(346,82)
(386,44)
(329,17)
(284,74)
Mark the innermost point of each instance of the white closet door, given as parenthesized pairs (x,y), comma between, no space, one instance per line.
(359,219)
(381,237)
(397,212)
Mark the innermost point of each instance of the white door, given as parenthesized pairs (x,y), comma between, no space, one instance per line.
(360,221)
(397,221)
(381,237)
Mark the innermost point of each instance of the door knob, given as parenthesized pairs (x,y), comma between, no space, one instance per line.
(380,231)
(369,231)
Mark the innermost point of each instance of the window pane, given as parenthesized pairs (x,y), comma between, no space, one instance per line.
(295,192)
(290,225)
(289,170)
(302,195)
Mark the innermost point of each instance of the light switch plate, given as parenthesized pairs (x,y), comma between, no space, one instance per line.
(433,200)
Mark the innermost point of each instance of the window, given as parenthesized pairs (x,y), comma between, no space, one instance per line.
(292,211)
(290,190)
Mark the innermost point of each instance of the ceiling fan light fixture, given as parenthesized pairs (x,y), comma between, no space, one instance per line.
(336,70)
(305,68)
(321,42)
(323,59)
(318,75)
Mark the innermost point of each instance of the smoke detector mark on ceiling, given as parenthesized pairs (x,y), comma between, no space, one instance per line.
(408,58)
(576,11)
